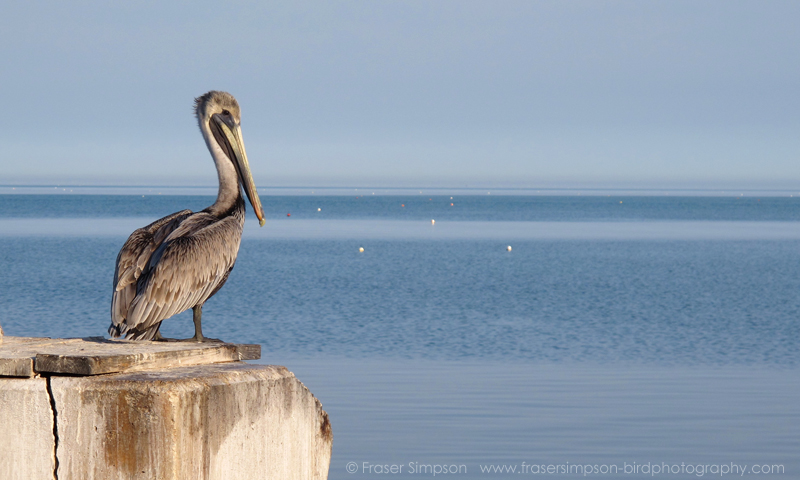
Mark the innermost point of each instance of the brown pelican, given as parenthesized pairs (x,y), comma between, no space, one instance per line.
(181,260)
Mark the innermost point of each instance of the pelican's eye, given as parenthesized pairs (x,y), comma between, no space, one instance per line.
(225,112)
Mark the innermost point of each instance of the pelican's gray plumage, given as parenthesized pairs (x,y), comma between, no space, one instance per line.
(181,260)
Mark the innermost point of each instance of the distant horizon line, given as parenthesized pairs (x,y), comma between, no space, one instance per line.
(593,190)
(401,187)
(526,184)
(547,185)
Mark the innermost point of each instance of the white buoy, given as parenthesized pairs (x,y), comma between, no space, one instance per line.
(508,248)
(433,222)
(360,249)
(319,209)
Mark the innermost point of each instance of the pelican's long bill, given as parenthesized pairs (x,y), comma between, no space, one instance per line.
(233,145)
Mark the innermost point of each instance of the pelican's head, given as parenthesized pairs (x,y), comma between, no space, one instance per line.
(220,112)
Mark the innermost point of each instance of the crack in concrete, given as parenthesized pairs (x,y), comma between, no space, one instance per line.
(55,425)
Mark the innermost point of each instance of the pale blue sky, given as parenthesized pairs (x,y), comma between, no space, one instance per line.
(406,93)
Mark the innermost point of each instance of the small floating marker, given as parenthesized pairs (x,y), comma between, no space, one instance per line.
(360,249)
(508,248)
(433,222)
(451,204)
(288,214)
(319,209)
(620,201)
(402,204)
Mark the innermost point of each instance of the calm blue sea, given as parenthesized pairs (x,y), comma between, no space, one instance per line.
(619,330)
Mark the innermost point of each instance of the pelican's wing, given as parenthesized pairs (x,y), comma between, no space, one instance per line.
(132,260)
(184,271)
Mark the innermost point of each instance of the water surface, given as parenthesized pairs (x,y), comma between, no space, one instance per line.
(652,330)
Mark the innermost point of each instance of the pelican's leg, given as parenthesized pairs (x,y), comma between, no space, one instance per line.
(197,312)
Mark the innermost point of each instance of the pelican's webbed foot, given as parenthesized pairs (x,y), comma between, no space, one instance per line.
(160,338)
(202,340)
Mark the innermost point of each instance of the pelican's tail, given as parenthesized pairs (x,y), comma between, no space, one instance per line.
(124,331)
(117,330)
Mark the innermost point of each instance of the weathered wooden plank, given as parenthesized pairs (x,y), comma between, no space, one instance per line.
(248,351)
(21,366)
(17,354)
(100,359)
(21,356)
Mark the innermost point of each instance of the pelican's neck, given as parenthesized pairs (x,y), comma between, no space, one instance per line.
(229,196)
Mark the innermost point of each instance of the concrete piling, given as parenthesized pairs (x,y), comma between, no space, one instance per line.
(26,429)
(201,421)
